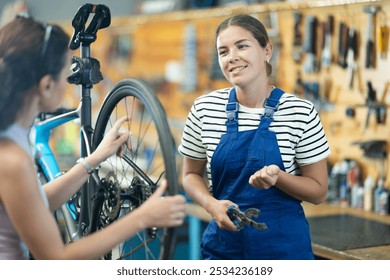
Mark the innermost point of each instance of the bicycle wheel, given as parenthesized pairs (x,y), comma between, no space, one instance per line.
(130,180)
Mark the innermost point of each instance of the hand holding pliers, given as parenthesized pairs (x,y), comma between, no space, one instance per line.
(241,219)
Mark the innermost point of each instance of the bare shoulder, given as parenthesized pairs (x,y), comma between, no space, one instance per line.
(13,157)
(15,166)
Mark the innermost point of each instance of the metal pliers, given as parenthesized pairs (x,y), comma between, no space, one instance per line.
(241,219)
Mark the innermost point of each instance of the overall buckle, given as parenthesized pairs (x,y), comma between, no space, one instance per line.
(270,106)
(231,111)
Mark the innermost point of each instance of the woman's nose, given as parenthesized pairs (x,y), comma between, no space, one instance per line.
(233,56)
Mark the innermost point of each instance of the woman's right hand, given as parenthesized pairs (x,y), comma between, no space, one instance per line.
(218,212)
(112,143)
(163,211)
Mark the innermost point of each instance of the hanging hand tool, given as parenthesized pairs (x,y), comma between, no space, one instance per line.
(274,36)
(351,56)
(375,151)
(343,45)
(376,106)
(190,75)
(241,219)
(383,35)
(370,102)
(373,105)
(312,92)
(381,110)
(310,45)
(326,57)
(383,41)
(297,44)
(370,44)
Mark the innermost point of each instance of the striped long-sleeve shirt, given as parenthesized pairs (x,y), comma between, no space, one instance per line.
(298,129)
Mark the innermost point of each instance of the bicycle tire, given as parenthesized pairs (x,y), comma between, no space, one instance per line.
(135,98)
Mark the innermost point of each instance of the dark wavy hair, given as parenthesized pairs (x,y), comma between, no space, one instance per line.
(23,64)
(253,25)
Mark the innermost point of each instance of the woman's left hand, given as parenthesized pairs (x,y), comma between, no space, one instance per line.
(265,177)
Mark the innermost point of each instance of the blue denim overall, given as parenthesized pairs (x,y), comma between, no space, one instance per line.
(238,156)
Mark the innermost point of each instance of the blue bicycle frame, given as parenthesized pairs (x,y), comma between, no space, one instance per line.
(42,151)
(45,158)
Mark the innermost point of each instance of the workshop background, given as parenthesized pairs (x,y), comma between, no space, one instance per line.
(334,53)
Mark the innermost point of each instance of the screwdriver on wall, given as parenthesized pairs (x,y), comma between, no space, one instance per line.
(383,40)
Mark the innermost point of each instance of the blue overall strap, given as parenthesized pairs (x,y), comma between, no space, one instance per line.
(232,112)
(271,104)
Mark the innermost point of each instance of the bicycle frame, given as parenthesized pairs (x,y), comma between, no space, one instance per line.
(45,158)
(42,150)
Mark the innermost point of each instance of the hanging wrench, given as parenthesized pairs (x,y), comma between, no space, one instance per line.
(326,56)
(241,219)
(310,45)
(351,56)
(370,47)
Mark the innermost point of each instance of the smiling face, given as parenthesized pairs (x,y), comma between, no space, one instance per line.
(241,58)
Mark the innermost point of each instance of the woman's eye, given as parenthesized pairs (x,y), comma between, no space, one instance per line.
(242,46)
(221,53)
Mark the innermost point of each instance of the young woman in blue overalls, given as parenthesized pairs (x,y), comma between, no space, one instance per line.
(261,148)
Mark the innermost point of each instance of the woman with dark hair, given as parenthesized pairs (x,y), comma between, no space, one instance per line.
(262,148)
(34,63)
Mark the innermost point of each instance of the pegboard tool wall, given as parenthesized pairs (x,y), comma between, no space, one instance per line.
(150,42)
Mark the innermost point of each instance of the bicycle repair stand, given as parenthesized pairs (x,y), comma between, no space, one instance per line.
(85,71)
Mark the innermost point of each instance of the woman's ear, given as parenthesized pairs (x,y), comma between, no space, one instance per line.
(45,86)
(268,51)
